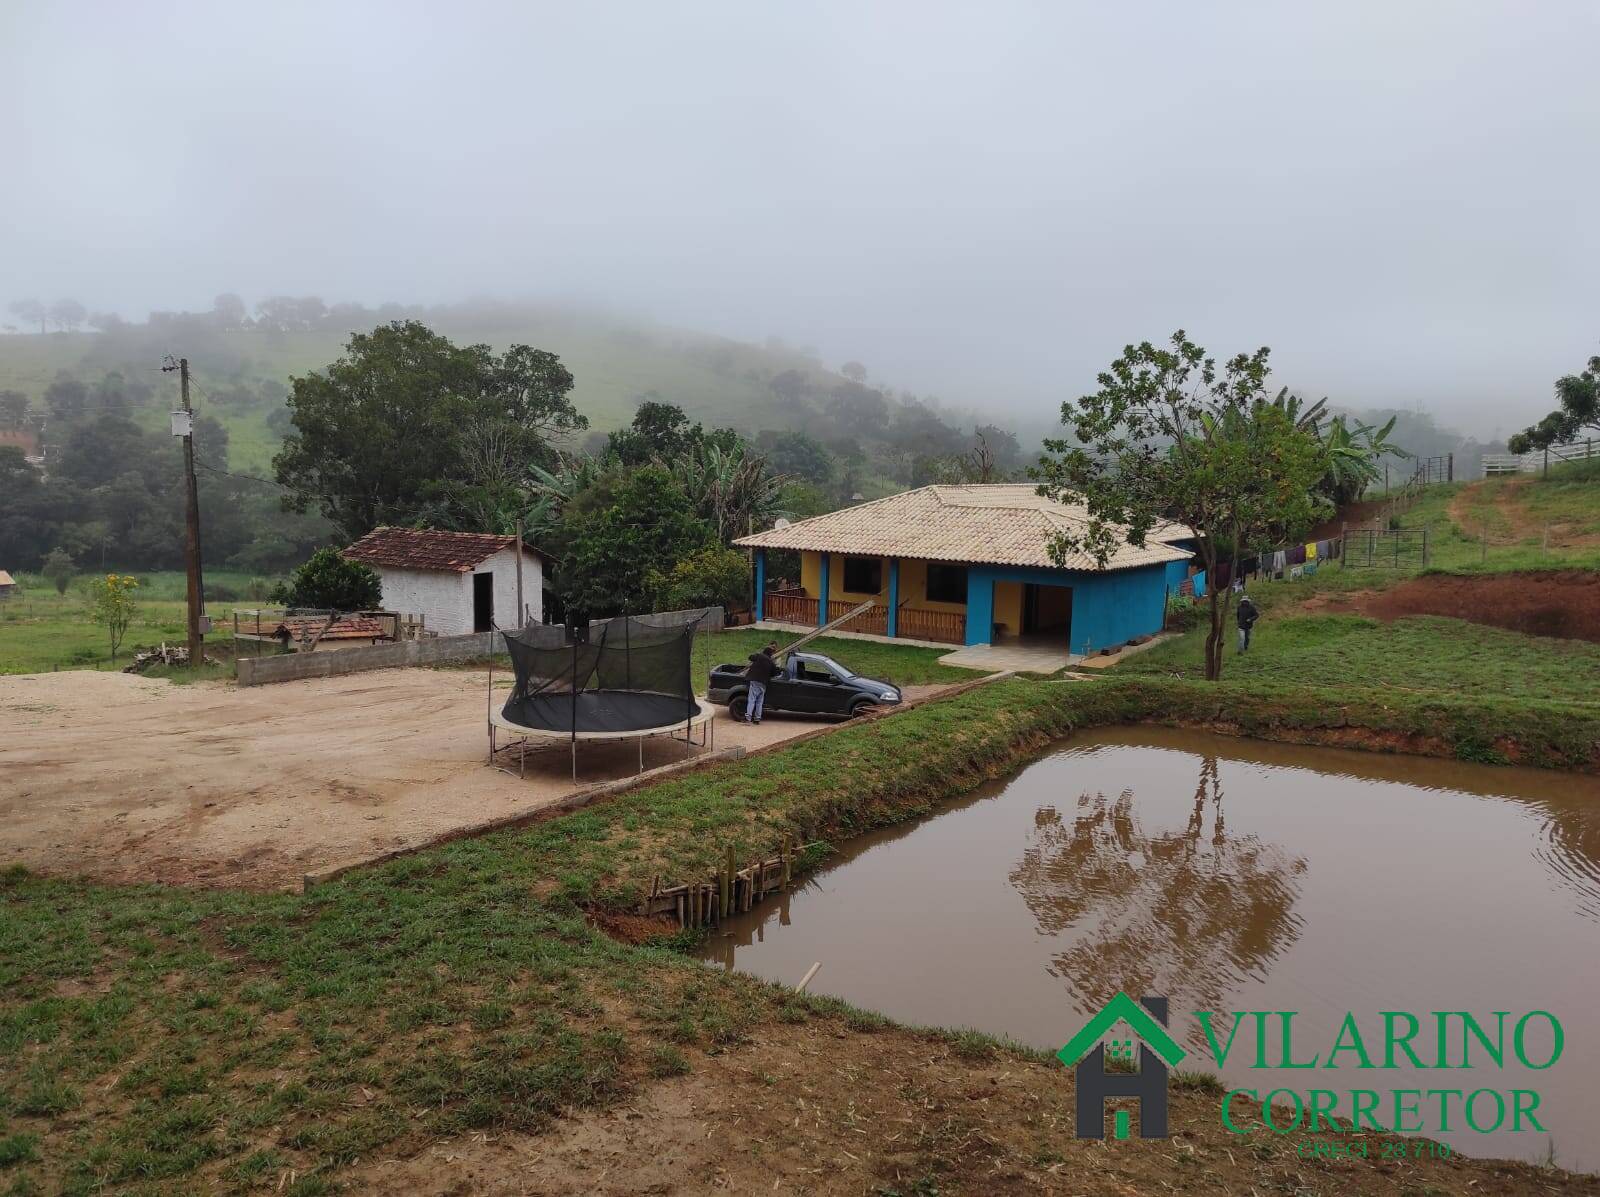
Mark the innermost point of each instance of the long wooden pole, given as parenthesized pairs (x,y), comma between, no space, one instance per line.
(521,610)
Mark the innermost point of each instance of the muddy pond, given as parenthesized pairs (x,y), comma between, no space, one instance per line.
(1237,875)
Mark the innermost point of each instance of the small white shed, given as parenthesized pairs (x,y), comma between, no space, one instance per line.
(459,582)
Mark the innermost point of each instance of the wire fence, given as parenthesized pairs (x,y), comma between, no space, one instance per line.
(1386,548)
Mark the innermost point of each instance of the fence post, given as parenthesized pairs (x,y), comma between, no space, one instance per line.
(1547,461)
(1424,546)
(1450,463)
(1343,532)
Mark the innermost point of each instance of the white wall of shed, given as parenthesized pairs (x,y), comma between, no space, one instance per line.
(442,597)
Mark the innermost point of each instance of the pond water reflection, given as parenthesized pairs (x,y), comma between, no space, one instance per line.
(1227,875)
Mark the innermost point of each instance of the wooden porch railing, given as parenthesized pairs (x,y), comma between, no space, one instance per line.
(947,627)
(793,606)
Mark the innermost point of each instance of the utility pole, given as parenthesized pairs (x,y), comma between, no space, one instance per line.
(183,425)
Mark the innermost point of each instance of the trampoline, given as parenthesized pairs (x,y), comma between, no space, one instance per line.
(616,679)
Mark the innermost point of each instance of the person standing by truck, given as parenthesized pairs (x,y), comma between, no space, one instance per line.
(761,670)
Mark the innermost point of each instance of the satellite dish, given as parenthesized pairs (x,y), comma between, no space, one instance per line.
(780,523)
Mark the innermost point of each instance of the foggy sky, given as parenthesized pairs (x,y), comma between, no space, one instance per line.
(984,202)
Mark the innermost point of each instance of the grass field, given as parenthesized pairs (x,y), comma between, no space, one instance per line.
(41,630)
(1421,654)
(163,1040)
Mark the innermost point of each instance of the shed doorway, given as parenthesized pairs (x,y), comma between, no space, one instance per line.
(1047,613)
(482,602)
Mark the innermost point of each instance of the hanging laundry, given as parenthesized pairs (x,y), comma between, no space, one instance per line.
(1279,564)
(1297,555)
(1199,581)
(1249,567)
(1311,552)
(1324,550)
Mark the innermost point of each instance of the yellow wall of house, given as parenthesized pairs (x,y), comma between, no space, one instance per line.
(1008,607)
(913,585)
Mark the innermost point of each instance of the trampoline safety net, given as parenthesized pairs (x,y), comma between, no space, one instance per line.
(635,672)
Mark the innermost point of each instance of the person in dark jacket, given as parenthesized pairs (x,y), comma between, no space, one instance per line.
(761,670)
(1247,616)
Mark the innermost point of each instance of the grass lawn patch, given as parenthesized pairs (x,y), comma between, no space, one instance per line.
(1418,653)
(192,1040)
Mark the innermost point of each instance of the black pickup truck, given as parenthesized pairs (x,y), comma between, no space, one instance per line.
(809,684)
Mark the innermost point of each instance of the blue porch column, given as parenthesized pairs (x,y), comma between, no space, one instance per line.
(894,596)
(822,599)
(761,584)
(980,605)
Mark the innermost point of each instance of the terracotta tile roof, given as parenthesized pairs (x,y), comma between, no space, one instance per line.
(6,579)
(994,524)
(350,627)
(410,548)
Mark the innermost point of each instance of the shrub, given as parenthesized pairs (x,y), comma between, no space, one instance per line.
(330,583)
(1183,613)
(714,576)
(58,569)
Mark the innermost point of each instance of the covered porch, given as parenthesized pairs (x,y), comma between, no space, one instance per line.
(893,614)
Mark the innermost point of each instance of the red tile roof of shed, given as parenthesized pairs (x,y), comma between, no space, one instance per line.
(410,548)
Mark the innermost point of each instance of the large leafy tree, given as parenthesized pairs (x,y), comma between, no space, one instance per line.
(407,425)
(617,537)
(1578,414)
(1170,435)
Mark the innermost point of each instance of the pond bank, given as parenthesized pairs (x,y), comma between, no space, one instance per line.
(453,1010)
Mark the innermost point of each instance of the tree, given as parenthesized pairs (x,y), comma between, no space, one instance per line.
(1579,411)
(13,409)
(854,371)
(382,436)
(730,487)
(112,604)
(68,313)
(715,576)
(798,455)
(1170,436)
(660,433)
(228,310)
(615,535)
(58,569)
(32,311)
(329,582)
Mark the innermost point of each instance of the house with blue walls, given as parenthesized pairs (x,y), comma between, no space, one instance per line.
(969,565)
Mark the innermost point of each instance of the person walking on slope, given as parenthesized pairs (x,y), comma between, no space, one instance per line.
(1247,616)
(761,670)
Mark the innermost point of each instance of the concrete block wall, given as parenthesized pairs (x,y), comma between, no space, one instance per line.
(292,667)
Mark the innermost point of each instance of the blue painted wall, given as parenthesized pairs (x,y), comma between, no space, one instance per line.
(1107,608)
(825,590)
(761,584)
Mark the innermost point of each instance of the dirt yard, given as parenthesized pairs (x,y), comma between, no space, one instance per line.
(129,779)
(1563,603)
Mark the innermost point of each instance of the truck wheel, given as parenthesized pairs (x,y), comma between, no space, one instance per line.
(736,706)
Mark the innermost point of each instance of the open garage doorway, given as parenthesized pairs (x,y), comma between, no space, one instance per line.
(1047,613)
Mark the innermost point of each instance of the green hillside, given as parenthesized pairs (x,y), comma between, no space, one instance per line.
(615,363)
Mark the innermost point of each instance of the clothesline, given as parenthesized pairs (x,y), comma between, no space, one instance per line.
(1283,564)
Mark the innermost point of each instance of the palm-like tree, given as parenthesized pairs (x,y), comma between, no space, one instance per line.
(731,487)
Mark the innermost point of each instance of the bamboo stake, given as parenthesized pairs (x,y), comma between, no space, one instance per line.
(806,980)
(729,881)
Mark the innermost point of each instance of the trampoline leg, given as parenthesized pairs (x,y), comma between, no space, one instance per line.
(641,754)
(574,760)
(522,759)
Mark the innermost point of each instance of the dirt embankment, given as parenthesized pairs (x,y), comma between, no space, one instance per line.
(1563,603)
(825,1108)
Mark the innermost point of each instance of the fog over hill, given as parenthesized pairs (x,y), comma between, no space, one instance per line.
(980,203)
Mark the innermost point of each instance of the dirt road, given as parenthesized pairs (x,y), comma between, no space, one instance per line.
(128,779)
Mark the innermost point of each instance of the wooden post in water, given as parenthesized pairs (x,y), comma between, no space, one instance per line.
(727,881)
